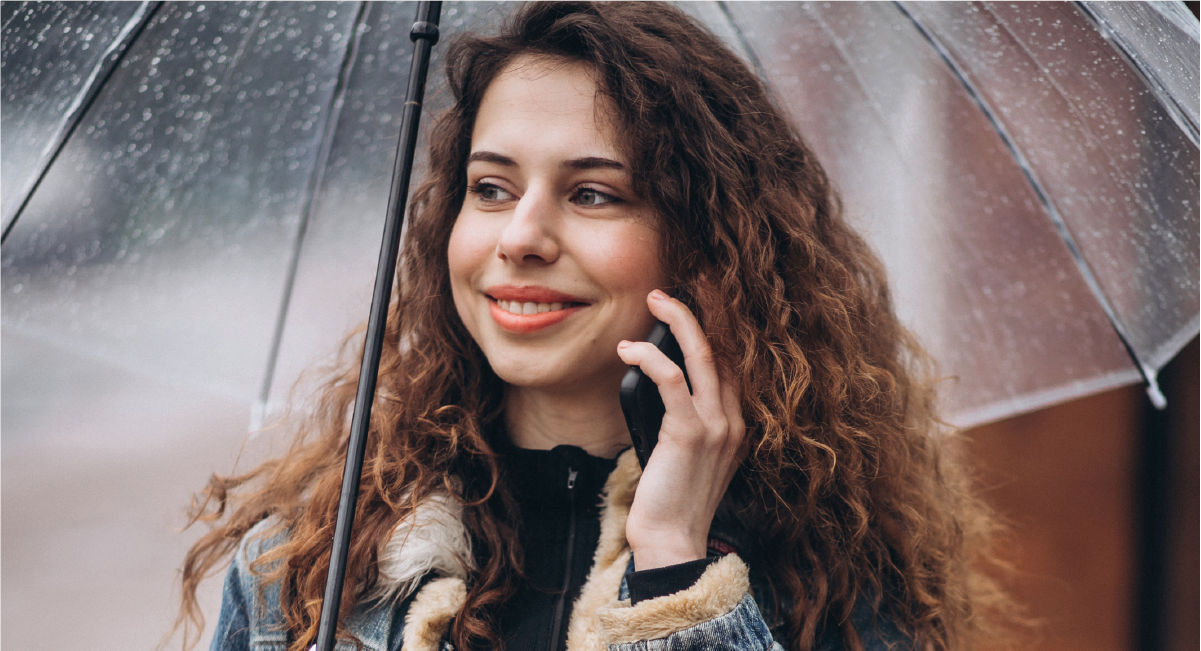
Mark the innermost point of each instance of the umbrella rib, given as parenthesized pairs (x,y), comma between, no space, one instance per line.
(834,41)
(83,102)
(423,34)
(837,43)
(746,44)
(1086,271)
(337,99)
(1149,78)
(1090,137)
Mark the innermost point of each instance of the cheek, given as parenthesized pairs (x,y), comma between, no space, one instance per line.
(628,260)
(469,250)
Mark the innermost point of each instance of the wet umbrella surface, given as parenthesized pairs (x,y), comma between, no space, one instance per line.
(192,198)
(1027,172)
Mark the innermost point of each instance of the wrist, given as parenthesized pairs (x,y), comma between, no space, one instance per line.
(665,551)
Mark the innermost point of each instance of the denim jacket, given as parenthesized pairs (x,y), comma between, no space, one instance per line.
(718,612)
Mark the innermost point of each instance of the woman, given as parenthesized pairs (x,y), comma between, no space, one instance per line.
(596,159)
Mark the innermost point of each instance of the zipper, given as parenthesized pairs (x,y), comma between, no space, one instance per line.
(557,628)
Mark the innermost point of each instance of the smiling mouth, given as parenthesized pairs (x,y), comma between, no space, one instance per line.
(520,308)
(524,317)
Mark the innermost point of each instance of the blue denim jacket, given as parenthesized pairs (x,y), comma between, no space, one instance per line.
(719,612)
(251,619)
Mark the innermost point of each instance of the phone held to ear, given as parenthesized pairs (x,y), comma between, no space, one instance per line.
(640,399)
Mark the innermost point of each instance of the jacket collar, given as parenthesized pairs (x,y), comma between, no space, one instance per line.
(435,606)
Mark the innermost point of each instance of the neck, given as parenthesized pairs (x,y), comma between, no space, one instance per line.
(540,419)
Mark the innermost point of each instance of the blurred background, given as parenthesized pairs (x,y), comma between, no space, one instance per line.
(192,198)
(1100,496)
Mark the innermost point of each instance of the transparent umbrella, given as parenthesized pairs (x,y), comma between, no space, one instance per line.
(1028,171)
(194,192)
(208,180)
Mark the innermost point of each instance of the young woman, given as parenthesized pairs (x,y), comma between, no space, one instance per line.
(599,158)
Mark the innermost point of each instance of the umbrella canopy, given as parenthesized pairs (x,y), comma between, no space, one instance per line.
(196,190)
(1028,172)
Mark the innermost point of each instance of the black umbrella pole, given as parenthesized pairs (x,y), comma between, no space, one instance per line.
(424,34)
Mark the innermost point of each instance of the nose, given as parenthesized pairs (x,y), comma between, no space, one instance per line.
(530,237)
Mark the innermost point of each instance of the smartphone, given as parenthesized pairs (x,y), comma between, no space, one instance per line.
(640,399)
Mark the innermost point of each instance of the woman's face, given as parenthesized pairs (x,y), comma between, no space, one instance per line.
(552,255)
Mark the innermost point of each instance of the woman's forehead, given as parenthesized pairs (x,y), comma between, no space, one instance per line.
(550,104)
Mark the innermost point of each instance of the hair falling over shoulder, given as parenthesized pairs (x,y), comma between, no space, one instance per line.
(850,483)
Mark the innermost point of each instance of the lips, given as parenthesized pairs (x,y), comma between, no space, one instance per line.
(524,309)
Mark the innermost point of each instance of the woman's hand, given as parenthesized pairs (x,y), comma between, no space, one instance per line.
(699,444)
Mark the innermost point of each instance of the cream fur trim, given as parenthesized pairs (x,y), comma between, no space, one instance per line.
(596,619)
(716,593)
(431,612)
(432,539)
(610,560)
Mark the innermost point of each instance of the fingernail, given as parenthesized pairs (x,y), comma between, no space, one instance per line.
(623,344)
(658,295)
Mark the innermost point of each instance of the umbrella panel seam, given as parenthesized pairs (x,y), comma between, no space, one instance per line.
(73,117)
(316,180)
(1052,211)
(1149,79)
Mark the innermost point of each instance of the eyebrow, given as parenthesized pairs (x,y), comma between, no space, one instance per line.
(491,157)
(593,162)
(587,163)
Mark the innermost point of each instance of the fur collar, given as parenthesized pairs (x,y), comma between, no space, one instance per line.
(435,540)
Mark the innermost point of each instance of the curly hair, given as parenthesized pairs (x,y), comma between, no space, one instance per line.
(849,483)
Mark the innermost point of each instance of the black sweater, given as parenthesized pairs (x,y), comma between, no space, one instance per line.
(559,494)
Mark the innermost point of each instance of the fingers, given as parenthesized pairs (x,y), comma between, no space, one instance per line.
(731,401)
(668,377)
(700,443)
(698,356)
(715,403)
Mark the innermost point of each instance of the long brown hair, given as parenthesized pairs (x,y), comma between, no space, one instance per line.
(848,481)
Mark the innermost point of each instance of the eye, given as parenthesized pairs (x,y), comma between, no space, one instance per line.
(589,197)
(490,193)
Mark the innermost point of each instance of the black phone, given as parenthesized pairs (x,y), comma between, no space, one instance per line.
(640,399)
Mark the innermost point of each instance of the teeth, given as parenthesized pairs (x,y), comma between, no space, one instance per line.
(517,307)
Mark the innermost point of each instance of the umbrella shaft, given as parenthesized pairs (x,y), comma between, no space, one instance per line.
(424,35)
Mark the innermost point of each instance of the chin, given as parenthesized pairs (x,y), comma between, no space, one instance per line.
(521,375)
(557,374)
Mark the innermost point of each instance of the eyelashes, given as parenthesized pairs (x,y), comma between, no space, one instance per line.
(584,195)
(588,197)
(483,190)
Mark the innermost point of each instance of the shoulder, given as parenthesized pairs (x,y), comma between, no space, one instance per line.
(251,616)
(252,613)
(268,534)
(250,576)
(876,628)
